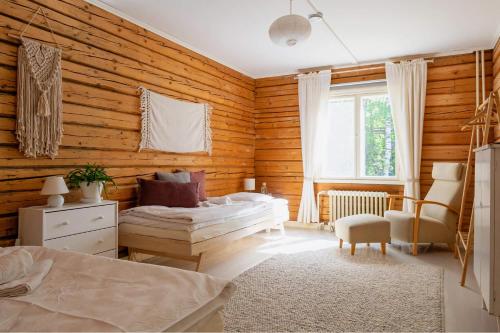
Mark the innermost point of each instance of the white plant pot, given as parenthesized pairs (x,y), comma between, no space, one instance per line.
(91,192)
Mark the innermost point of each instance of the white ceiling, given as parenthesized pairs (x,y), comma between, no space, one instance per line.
(235,32)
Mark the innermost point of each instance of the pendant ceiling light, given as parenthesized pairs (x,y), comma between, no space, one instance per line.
(290,29)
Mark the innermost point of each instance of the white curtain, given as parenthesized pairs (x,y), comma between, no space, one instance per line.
(313,105)
(406,83)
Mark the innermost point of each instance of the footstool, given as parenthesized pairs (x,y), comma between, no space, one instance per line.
(363,228)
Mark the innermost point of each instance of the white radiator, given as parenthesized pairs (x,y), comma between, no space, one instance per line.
(346,203)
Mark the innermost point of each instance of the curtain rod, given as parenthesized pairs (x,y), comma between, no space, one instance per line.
(350,69)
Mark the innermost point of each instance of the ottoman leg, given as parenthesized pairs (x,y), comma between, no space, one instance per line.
(382,247)
(353,248)
(341,242)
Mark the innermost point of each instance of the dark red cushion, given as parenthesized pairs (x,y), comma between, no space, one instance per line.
(199,177)
(162,193)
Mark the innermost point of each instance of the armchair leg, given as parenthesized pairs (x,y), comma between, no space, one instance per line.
(415,249)
(416,229)
(353,248)
(341,242)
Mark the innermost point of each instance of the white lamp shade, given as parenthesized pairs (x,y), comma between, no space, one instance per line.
(54,185)
(289,30)
(249,184)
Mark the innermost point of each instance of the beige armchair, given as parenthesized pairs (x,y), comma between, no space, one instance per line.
(435,218)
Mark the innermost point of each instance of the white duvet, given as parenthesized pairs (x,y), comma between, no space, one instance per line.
(216,210)
(190,218)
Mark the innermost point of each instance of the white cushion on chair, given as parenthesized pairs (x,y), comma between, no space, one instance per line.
(446,189)
(437,223)
(431,230)
(447,171)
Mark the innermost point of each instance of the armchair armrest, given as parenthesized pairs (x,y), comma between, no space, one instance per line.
(397,196)
(430,202)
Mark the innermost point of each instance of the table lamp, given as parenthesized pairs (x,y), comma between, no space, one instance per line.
(54,186)
(249,184)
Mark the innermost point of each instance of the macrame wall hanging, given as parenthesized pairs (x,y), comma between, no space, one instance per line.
(39,96)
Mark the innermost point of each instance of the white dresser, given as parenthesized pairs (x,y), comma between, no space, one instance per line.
(82,227)
(487,225)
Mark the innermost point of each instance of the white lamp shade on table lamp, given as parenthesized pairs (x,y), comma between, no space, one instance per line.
(249,184)
(54,186)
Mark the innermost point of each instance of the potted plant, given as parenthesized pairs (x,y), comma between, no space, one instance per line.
(91,180)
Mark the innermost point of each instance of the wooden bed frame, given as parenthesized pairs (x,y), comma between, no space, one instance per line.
(185,250)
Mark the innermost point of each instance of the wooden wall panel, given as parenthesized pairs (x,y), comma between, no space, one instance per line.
(496,79)
(450,100)
(107,59)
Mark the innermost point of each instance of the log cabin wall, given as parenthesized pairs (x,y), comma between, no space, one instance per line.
(496,79)
(450,101)
(496,66)
(106,60)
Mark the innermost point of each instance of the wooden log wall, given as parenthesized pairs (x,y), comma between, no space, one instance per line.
(496,79)
(450,101)
(106,59)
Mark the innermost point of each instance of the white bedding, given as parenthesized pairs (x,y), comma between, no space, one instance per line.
(159,230)
(90,293)
(191,218)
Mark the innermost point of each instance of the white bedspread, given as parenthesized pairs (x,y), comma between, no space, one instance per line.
(190,218)
(90,293)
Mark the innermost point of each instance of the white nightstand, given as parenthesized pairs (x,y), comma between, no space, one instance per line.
(82,227)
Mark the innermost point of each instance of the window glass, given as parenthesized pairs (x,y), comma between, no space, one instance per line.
(341,134)
(378,140)
(360,136)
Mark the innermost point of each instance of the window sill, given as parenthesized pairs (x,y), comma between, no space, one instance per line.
(359,181)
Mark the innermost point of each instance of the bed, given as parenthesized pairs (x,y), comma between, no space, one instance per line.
(189,233)
(90,293)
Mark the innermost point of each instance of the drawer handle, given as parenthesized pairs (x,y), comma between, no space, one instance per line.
(66,248)
(100,241)
(65,223)
(100,218)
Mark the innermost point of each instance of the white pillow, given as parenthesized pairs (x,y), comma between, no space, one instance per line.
(250,196)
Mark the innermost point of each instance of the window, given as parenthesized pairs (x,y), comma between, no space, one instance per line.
(361,143)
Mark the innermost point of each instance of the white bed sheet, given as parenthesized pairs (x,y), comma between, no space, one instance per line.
(92,293)
(220,227)
(192,218)
(276,209)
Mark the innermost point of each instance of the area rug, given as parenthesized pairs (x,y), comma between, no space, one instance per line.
(336,292)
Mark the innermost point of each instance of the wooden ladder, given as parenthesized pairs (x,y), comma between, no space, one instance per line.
(486,116)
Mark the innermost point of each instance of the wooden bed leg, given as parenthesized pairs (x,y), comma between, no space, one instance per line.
(198,262)
(131,254)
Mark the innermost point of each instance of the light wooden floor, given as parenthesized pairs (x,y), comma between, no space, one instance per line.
(463,306)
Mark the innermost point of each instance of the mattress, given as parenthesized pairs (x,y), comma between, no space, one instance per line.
(219,228)
(276,210)
(190,219)
(91,293)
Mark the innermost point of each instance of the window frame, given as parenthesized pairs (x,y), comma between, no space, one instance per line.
(357,91)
